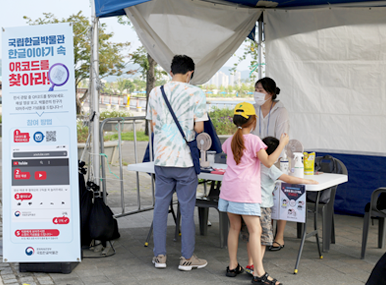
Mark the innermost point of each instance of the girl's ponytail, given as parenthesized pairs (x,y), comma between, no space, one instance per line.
(237,144)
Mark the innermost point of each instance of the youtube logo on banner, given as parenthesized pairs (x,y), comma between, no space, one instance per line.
(40,175)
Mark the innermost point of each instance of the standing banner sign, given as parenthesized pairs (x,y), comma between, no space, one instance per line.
(289,202)
(40,168)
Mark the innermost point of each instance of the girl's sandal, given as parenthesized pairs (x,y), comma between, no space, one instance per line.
(263,280)
(234,272)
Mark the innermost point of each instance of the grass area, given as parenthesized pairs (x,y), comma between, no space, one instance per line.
(128,136)
(222,120)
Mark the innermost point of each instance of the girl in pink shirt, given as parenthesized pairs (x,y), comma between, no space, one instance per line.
(240,194)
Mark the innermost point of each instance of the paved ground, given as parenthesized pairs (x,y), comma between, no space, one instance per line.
(132,262)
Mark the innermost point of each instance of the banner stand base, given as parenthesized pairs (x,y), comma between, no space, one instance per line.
(48,267)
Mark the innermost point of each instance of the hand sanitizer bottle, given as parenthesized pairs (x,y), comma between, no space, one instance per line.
(299,166)
(284,164)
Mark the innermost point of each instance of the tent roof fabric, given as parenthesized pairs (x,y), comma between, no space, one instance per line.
(112,8)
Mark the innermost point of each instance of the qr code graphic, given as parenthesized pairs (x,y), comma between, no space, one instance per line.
(51,136)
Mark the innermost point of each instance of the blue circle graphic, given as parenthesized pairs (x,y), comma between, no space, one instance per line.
(29,251)
(38,137)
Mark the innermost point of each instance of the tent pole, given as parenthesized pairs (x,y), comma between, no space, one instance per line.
(260,37)
(94,75)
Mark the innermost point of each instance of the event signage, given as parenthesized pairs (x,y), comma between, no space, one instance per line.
(289,202)
(40,168)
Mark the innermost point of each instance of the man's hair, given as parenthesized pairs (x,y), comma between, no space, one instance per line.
(272,144)
(181,64)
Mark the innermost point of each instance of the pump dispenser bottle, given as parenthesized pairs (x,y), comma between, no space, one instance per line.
(284,163)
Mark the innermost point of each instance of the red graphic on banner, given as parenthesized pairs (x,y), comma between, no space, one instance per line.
(17,174)
(60,220)
(40,175)
(23,196)
(37,233)
(15,163)
(19,137)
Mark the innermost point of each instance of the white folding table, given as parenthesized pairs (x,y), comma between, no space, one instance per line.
(326,180)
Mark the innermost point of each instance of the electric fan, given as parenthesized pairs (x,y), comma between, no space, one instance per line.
(293,146)
(203,143)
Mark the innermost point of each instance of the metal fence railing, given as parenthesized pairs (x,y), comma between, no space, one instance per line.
(120,122)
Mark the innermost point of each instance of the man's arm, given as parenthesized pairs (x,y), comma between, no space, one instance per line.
(199,127)
(151,126)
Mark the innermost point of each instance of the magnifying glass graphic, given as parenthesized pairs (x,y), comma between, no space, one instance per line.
(58,75)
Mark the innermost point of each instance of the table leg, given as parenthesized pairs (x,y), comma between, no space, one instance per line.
(301,245)
(316,225)
(313,233)
(149,235)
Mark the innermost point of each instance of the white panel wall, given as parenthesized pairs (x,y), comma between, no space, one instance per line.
(331,67)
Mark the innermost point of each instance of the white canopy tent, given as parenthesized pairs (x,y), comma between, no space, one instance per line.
(329,62)
(206,32)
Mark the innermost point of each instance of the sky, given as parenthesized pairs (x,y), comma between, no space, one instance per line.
(12,12)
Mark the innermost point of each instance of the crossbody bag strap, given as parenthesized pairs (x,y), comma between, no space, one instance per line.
(172,113)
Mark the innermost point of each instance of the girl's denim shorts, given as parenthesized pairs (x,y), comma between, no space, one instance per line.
(248,209)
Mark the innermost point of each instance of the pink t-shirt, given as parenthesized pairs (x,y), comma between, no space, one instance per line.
(241,183)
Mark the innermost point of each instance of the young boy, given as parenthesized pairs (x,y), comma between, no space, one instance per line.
(268,179)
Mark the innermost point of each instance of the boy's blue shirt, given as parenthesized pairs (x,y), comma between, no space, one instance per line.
(268,179)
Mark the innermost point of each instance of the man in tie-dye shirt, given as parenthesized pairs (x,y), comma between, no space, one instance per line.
(174,168)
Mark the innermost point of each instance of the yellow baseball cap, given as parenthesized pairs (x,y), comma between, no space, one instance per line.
(244,109)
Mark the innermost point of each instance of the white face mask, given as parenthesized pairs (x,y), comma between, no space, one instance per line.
(259,98)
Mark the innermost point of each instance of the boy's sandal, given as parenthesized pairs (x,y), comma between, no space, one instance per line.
(234,272)
(263,280)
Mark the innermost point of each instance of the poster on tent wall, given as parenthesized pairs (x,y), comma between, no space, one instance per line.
(40,169)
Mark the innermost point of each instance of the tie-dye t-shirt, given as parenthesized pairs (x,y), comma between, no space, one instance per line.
(189,105)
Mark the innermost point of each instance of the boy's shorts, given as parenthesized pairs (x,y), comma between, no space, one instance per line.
(266,228)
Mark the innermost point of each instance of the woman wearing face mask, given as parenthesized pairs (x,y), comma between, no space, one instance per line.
(273,116)
(272,121)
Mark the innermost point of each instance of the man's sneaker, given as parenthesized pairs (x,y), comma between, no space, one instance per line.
(193,262)
(249,269)
(159,261)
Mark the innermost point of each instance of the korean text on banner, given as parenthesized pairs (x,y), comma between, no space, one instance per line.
(40,171)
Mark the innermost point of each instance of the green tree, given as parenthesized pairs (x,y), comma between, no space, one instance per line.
(147,65)
(148,70)
(244,89)
(124,84)
(109,88)
(141,57)
(139,84)
(211,87)
(250,49)
(230,89)
(112,56)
